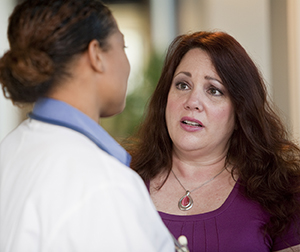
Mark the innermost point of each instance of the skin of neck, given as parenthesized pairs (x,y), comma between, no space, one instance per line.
(200,169)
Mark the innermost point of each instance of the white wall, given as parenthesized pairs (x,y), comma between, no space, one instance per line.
(293,11)
(9,115)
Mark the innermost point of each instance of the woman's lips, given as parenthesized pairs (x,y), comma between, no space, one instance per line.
(191,124)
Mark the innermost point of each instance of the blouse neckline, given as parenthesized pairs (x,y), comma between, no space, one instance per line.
(207,215)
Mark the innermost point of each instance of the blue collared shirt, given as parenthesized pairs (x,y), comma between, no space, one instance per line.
(60,113)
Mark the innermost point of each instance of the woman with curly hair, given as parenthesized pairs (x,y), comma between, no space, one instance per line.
(215,156)
(65,184)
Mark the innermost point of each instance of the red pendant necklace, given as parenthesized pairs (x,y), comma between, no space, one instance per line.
(186,201)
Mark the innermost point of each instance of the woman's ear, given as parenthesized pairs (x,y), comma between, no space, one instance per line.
(95,54)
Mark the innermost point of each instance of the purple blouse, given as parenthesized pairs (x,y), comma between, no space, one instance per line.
(234,227)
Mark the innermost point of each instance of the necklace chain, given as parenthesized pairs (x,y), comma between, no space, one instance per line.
(203,184)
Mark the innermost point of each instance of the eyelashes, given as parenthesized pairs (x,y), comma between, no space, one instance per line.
(212,90)
(182,86)
(215,91)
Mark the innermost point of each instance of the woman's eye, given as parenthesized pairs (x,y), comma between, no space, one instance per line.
(182,86)
(214,91)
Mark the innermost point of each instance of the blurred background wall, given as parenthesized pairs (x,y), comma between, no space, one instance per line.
(9,115)
(268,29)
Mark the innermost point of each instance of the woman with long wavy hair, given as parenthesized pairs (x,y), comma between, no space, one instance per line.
(215,156)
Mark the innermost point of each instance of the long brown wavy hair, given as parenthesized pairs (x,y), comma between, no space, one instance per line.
(44,37)
(266,161)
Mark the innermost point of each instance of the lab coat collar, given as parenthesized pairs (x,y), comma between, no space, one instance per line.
(60,113)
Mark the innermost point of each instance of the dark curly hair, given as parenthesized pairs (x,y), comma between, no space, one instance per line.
(44,37)
(268,164)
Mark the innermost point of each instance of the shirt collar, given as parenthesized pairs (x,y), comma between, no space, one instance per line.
(60,113)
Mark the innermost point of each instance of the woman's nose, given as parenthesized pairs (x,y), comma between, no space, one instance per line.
(194,102)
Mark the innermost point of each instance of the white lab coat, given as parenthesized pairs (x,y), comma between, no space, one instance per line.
(60,193)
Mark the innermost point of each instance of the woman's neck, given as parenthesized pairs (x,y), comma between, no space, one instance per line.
(198,168)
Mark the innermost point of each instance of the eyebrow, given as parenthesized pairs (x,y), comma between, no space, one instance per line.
(186,73)
(211,78)
(206,77)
